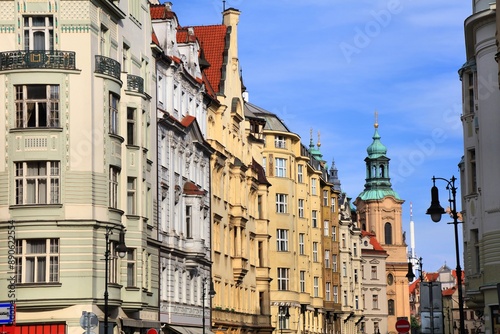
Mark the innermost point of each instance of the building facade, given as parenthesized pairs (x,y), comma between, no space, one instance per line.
(78,164)
(183,160)
(374,285)
(379,212)
(240,235)
(478,178)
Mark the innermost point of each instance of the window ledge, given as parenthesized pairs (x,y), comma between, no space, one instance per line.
(133,217)
(26,206)
(132,288)
(36,129)
(38,285)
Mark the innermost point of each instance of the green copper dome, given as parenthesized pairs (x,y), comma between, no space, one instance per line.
(376,149)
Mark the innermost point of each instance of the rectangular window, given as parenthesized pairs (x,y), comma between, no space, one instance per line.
(301,208)
(282,240)
(313,187)
(334,263)
(472,171)
(375,301)
(327,259)
(302,281)
(113,187)
(356,302)
(314,218)
(374,272)
(38,33)
(37,106)
(332,204)
(131,273)
(280,167)
(355,249)
(301,244)
(131,126)
(315,252)
(316,286)
(300,175)
(281,203)
(189,222)
(344,241)
(37,260)
(325,197)
(283,279)
(345,297)
(113,114)
(279,142)
(344,269)
(334,233)
(328,287)
(131,196)
(335,294)
(355,275)
(470,96)
(326,226)
(37,182)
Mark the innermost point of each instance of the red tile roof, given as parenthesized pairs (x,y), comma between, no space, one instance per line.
(212,40)
(373,240)
(160,12)
(183,35)
(448,292)
(192,189)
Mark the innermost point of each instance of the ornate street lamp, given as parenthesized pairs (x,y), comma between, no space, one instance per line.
(436,211)
(410,275)
(121,249)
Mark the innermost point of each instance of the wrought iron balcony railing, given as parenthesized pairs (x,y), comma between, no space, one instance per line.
(28,59)
(107,66)
(135,83)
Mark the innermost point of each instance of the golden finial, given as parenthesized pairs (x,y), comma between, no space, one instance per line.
(376,119)
(319,141)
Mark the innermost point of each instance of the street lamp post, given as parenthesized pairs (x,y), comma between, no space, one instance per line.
(121,249)
(436,211)
(211,293)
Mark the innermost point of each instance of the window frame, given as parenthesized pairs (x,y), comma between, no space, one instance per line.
(114,102)
(29,184)
(51,261)
(282,240)
(33,109)
(114,176)
(280,167)
(281,203)
(300,173)
(283,279)
(30,32)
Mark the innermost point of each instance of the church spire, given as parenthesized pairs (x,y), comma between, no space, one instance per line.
(378,181)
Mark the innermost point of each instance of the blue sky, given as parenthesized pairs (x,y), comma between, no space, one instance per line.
(328,65)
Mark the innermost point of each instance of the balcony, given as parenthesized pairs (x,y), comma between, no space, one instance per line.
(135,83)
(36,59)
(107,66)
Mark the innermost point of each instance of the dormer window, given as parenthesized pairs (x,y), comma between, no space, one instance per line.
(38,33)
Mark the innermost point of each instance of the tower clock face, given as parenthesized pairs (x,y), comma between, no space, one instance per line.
(390,279)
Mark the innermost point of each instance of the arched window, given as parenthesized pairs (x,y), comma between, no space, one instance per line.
(390,306)
(388,233)
(382,171)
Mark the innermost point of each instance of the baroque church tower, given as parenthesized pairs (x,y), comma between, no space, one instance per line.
(379,212)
